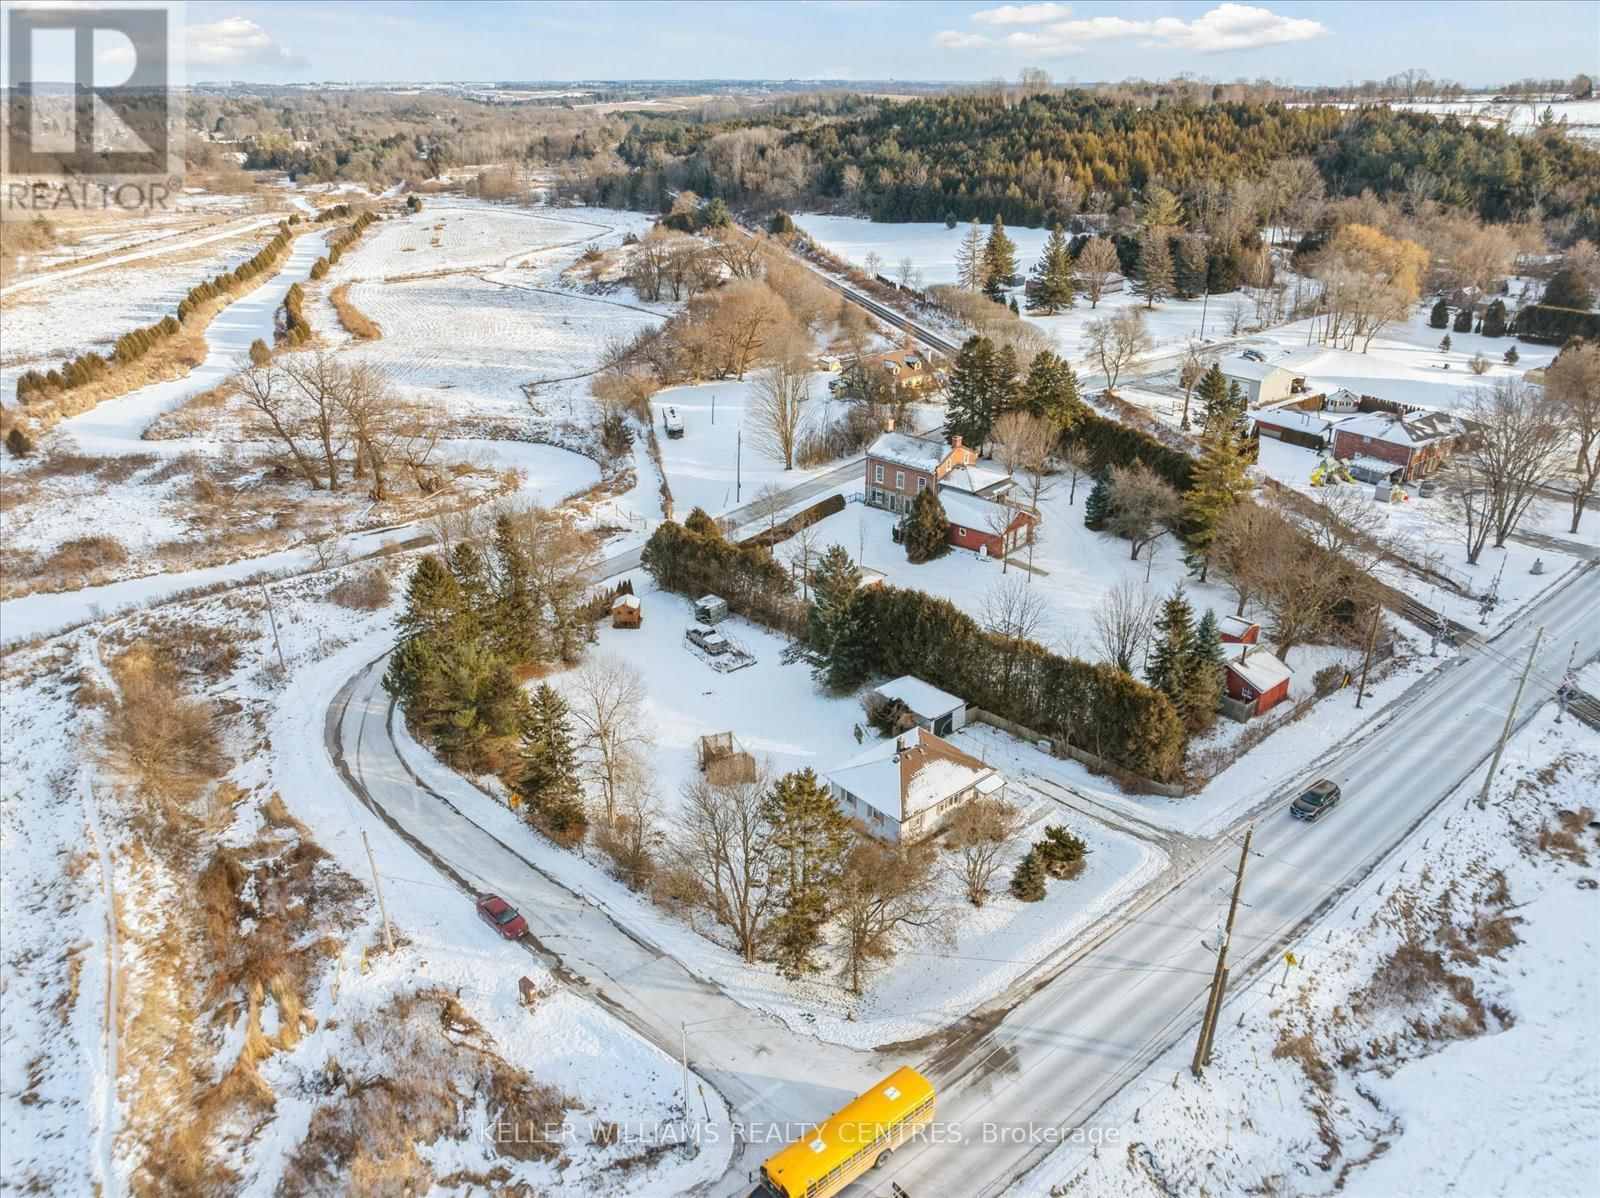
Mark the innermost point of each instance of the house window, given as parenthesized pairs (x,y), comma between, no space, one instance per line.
(877,817)
(922,483)
(877,498)
(877,474)
(899,480)
(960,532)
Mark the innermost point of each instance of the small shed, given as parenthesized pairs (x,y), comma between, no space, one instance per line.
(1236,630)
(710,609)
(723,762)
(940,712)
(1256,679)
(627,612)
(1261,382)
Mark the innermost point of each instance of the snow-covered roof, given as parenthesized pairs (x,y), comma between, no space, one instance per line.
(985,515)
(923,698)
(903,449)
(1257,666)
(626,601)
(1373,465)
(1248,368)
(1296,418)
(1411,428)
(1235,625)
(914,771)
(975,479)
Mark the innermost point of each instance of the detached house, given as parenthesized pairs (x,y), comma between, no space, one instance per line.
(907,787)
(1416,442)
(901,466)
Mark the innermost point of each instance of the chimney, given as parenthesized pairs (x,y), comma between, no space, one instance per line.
(955,441)
(888,424)
(899,744)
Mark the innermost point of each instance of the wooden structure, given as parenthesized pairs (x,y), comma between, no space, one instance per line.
(723,762)
(627,612)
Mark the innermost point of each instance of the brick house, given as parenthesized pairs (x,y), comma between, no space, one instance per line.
(1416,442)
(900,466)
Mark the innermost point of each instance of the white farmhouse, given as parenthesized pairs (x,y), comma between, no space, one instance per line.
(907,787)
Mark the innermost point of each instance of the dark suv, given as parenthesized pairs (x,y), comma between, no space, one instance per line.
(1319,796)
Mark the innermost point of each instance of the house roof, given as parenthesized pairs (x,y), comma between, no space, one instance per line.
(1257,666)
(1410,428)
(975,479)
(985,515)
(903,449)
(1235,625)
(921,697)
(1343,395)
(626,601)
(1295,418)
(1247,368)
(1375,465)
(911,773)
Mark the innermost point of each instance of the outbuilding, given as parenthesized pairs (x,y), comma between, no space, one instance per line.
(1261,382)
(627,612)
(938,711)
(1236,630)
(1255,678)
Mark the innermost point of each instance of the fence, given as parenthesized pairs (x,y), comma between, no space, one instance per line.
(1057,746)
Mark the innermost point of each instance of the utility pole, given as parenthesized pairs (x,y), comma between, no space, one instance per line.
(738,464)
(1366,664)
(1219,979)
(1206,300)
(273,617)
(1505,732)
(383,908)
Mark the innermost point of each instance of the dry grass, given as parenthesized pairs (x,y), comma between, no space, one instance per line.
(158,735)
(367,591)
(356,322)
(82,557)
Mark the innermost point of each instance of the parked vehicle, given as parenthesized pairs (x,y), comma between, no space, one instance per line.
(708,638)
(1316,800)
(501,916)
(672,422)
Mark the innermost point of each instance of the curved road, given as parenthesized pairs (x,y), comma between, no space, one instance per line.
(1054,1048)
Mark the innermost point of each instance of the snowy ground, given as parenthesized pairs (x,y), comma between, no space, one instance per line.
(1366,1070)
(1582,117)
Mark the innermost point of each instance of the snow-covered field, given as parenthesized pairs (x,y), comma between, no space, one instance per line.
(1437,1038)
(1581,117)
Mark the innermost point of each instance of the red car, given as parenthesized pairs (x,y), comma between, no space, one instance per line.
(501,916)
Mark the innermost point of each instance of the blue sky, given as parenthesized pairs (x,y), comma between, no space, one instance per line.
(1298,42)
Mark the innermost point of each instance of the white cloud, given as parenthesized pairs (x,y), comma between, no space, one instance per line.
(235,42)
(955,39)
(1227,27)
(1023,14)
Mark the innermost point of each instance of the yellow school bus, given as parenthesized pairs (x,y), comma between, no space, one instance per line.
(855,1139)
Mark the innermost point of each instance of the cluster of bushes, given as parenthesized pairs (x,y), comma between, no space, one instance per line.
(131,346)
(341,241)
(296,325)
(1547,325)
(892,631)
(694,558)
(1058,854)
(1109,443)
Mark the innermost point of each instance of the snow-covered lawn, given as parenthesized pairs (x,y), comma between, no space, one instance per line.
(1329,1084)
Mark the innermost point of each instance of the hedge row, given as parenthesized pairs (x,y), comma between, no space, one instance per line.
(1553,326)
(1096,707)
(694,559)
(1111,443)
(132,346)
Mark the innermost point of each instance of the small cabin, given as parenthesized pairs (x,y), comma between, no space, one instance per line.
(627,612)
(1236,630)
(710,609)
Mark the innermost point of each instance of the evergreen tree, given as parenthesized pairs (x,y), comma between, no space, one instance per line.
(714,214)
(1445,343)
(1051,392)
(1439,318)
(973,406)
(1206,675)
(1095,507)
(1172,648)
(1463,321)
(1568,289)
(1189,268)
(1511,356)
(1222,406)
(810,837)
(833,588)
(516,614)
(1003,387)
(1218,483)
(853,647)
(927,532)
(1160,209)
(1061,852)
(969,257)
(1494,319)
(1012,304)
(1028,882)
(18,443)
(549,766)
(433,606)
(999,260)
(702,525)
(471,572)
(476,700)
(781,224)
(1050,288)
(1155,268)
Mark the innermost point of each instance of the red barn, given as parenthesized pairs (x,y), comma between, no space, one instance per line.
(1257,677)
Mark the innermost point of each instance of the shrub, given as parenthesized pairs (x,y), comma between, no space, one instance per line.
(1028,882)
(1062,853)
(18,443)
(364,592)
(1328,679)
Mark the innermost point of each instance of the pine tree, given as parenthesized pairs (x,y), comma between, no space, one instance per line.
(1028,882)
(476,700)
(1494,319)
(833,588)
(1217,484)
(1171,647)
(1511,356)
(969,257)
(1095,507)
(1012,304)
(1051,392)
(1567,289)
(433,606)
(549,766)
(1160,209)
(810,837)
(714,214)
(927,532)
(999,260)
(973,407)
(1445,343)
(1050,288)
(1439,318)
(1189,268)
(1003,386)
(516,613)
(1463,321)
(471,572)
(1206,675)
(1155,268)
(1061,853)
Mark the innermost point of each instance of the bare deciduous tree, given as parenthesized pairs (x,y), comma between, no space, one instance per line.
(605,699)
(1246,537)
(1122,623)
(726,842)
(1572,382)
(1141,506)
(1074,460)
(1016,612)
(884,895)
(1512,451)
(1115,341)
(780,395)
(977,836)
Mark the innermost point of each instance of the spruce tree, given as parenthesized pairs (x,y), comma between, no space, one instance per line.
(1003,387)
(969,258)
(477,700)
(1061,852)
(999,260)
(810,837)
(549,766)
(1189,268)
(927,532)
(1463,321)
(471,572)
(972,408)
(854,642)
(833,588)
(1217,484)
(1206,675)
(1050,288)
(1050,392)
(433,602)
(1028,882)
(516,612)
(1567,289)
(1222,406)
(1096,506)
(1511,356)
(1494,319)
(1445,343)
(1172,647)
(1155,268)
(1439,318)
